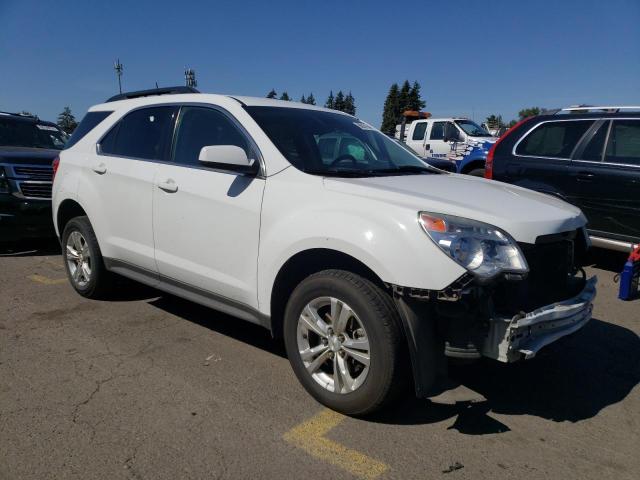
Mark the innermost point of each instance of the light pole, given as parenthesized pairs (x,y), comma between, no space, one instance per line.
(118,67)
(190,77)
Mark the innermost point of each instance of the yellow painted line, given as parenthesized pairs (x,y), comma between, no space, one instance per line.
(46,280)
(310,437)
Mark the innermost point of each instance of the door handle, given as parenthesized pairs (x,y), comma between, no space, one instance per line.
(427,146)
(585,176)
(169,186)
(100,169)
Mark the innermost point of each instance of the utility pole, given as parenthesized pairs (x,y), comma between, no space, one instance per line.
(118,67)
(190,77)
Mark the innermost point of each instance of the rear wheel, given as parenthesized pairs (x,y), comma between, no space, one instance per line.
(83,259)
(344,341)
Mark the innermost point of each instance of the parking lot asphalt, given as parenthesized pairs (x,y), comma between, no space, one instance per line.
(149,386)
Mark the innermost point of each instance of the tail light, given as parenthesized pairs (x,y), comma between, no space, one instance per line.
(488,166)
(54,165)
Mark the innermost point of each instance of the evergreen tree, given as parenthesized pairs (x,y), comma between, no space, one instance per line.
(330,101)
(403,98)
(66,121)
(311,99)
(338,104)
(285,96)
(415,102)
(272,94)
(303,99)
(494,121)
(390,111)
(349,104)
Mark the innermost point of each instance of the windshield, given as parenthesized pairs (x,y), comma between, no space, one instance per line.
(472,128)
(17,133)
(325,143)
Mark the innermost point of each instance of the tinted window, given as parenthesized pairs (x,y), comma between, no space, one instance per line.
(593,150)
(437,131)
(24,133)
(624,142)
(553,139)
(143,133)
(327,147)
(200,127)
(90,120)
(418,132)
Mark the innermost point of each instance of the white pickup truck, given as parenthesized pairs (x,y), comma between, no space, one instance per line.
(457,139)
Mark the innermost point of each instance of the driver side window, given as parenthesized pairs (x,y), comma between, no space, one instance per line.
(437,131)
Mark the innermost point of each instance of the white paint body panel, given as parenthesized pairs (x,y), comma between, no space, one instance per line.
(231,235)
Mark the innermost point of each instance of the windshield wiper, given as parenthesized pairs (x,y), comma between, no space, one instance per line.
(339,173)
(408,169)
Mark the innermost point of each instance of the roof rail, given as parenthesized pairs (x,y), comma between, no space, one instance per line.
(607,108)
(19,114)
(151,92)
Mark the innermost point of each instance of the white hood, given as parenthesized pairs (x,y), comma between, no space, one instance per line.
(522,213)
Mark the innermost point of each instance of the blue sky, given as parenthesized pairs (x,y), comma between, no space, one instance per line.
(472,58)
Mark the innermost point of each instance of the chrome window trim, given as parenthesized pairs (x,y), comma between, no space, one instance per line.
(515,147)
(251,142)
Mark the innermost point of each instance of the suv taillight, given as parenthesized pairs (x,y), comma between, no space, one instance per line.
(488,166)
(54,165)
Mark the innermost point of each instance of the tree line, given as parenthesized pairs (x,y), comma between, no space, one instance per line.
(495,121)
(400,99)
(344,103)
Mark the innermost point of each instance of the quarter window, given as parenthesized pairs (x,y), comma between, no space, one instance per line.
(437,131)
(419,131)
(624,142)
(554,139)
(200,127)
(144,133)
(88,123)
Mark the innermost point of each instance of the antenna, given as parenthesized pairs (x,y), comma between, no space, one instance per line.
(190,77)
(118,67)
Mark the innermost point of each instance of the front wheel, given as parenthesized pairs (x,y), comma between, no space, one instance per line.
(476,172)
(344,341)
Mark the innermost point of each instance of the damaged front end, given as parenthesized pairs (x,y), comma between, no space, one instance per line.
(509,318)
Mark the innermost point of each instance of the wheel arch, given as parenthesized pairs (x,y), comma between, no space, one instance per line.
(67,210)
(305,263)
(473,164)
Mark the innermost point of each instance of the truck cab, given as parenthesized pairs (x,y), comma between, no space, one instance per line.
(457,139)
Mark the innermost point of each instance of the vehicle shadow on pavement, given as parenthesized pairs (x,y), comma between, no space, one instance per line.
(572,380)
(608,260)
(30,248)
(219,322)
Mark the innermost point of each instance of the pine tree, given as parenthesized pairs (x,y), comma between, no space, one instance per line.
(303,99)
(339,102)
(403,98)
(311,99)
(330,103)
(272,94)
(349,104)
(285,96)
(415,102)
(390,112)
(66,121)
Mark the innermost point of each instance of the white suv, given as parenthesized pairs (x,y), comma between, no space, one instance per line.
(371,265)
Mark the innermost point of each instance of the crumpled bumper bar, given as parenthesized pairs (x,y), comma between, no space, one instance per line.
(511,339)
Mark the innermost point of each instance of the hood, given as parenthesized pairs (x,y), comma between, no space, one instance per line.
(25,155)
(522,213)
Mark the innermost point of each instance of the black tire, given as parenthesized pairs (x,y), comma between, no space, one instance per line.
(476,172)
(389,372)
(100,282)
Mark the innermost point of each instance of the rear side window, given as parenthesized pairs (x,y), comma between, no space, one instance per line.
(624,142)
(88,123)
(593,150)
(418,132)
(200,127)
(553,139)
(143,133)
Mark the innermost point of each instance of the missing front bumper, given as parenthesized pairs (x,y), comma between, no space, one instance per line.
(511,339)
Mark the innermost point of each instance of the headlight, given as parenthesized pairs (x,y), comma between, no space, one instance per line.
(481,248)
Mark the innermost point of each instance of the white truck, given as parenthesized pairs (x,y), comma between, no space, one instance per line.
(457,139)
(372,265)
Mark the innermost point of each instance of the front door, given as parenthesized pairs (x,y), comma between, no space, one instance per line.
(206,220)
(437,146)
(606,179)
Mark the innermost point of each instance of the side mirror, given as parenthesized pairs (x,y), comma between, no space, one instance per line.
(227,157)
(451,133)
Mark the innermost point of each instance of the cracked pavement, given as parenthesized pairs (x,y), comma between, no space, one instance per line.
(152,387)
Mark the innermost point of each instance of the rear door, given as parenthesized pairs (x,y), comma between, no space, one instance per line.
(541,158)
(606,179)
(416,140)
